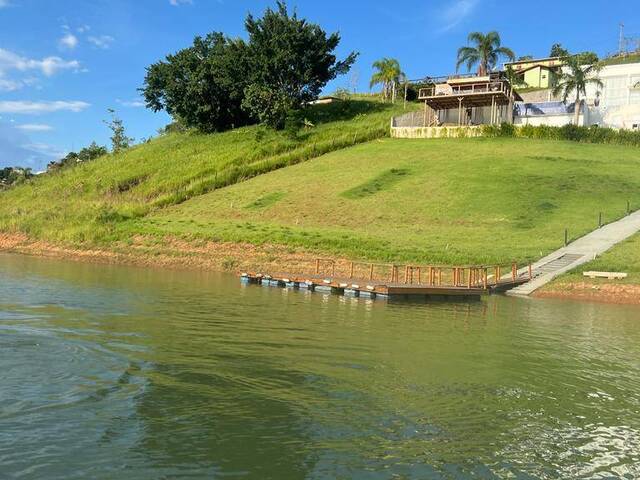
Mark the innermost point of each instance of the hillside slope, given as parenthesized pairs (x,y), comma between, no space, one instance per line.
(440,201)
(86,202)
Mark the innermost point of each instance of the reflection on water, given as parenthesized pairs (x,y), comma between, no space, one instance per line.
(112,372)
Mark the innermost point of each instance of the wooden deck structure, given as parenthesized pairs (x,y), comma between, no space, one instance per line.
(463,96)
(397,281)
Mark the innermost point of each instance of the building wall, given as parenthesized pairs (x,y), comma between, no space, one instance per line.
(436,132)
(615,105)
(537,77)
(549,120)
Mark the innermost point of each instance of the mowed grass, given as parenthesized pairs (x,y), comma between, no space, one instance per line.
(624,257)
(437,201)
(88,202)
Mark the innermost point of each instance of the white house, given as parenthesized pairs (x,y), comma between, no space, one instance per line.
(616,105)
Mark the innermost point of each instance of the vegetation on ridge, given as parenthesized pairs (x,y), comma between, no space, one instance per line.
(84,203)
(221,83)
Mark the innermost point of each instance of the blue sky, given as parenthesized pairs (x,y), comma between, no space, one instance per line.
(63,63)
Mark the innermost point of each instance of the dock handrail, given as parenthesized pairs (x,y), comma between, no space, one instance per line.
(469,276)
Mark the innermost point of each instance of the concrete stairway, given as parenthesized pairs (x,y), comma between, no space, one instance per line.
(577,253)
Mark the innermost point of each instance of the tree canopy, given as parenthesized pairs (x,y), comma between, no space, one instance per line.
(388,74)
(220,83)
(201,86)
(574,80)
(485,53)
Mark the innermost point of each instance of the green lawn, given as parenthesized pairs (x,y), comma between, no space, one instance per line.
(88,202)
(445,201)
(624,257)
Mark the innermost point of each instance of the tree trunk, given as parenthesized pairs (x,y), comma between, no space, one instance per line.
(577,109)
(393,94)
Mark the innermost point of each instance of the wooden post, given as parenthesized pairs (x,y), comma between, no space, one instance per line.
(600,220)
(431,278)
(420,275)
(425,114)
(496,275)
(469,283)
(317,265)
(530,272)
(439,276)
(351,270)
(406,87)
(371,272)
(485,280)
(333,268)
(566,237)
(514,271)
(493,106)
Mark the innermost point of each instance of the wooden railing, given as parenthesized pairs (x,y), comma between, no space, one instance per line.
(470,276)
(466,89)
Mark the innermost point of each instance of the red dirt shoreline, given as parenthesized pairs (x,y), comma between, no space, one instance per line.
(226,256)
(600,292)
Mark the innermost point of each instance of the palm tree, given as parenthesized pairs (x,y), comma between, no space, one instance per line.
(574,78)
(485,53)
(389,75)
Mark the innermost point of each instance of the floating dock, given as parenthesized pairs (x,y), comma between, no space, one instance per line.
(385,281)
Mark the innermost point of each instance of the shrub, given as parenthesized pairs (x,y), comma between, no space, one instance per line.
(593,134)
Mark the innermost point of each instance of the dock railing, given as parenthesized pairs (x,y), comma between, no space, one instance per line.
(467,276)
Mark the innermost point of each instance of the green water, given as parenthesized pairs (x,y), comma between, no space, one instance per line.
(112,372)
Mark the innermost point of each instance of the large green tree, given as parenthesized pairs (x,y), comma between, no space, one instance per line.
(388,74)
(485,52)
(574,79)
(290,61)
(202,86)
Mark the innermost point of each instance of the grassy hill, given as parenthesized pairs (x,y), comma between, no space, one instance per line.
(86,202)
(446,201)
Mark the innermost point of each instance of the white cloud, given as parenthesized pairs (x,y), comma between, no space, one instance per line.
(48,66)
(35,127)
(36,108)
(131,103)
(44,149)
(16,148)
(7,85)
(68,41)
(4,3)
(177,3)
(102,41)
(455,13)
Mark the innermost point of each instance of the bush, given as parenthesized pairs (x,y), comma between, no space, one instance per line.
(593,134)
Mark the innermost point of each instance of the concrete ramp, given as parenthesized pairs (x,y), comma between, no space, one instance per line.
(578,253)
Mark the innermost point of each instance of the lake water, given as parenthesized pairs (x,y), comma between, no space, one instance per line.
(113,372)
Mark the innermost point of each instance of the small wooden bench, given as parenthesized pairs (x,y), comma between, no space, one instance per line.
(608,275)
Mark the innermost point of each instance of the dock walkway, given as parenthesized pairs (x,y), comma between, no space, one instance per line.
(395,281)
(578,253)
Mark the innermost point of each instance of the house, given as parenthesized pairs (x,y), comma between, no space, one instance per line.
(536,73)
(466,100)
(457,105)
(616,104)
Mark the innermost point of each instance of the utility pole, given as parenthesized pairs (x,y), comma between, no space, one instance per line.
(621,42)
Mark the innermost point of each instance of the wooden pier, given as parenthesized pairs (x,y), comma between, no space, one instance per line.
(397,281)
